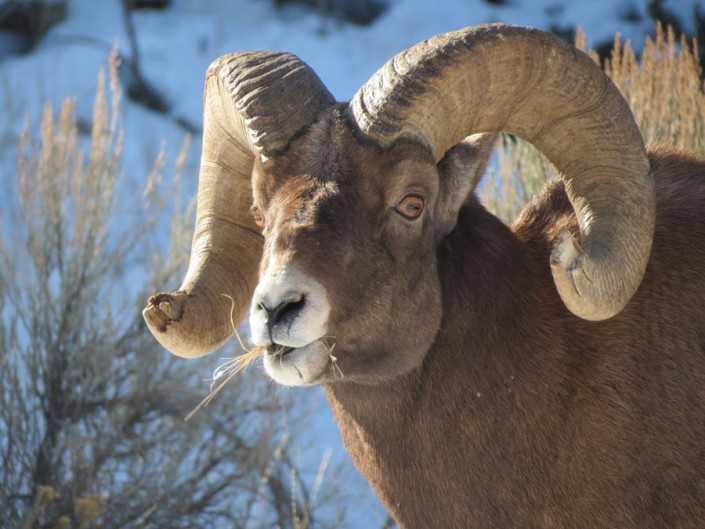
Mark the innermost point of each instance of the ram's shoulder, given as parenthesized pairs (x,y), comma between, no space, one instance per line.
(679,174)
(547,215)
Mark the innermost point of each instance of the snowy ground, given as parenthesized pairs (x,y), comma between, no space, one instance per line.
(177,45)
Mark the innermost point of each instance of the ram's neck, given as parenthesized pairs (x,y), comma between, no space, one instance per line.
(412,436)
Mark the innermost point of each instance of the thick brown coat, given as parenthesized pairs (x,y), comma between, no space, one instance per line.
(523,415)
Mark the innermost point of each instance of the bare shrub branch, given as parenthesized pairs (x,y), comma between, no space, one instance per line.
(91,408)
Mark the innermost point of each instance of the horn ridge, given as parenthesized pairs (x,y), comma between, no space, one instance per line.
(254,104)
(257,80)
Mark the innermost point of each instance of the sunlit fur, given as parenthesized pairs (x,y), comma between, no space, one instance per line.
(471,396)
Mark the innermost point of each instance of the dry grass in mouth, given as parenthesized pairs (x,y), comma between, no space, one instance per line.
(226,371)
(234,366)
(333,359)
(231,367)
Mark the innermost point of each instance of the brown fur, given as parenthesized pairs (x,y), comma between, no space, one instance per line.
(472,397)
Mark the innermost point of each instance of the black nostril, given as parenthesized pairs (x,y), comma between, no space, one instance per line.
(286,310)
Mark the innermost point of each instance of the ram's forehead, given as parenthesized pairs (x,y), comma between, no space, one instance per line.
(304,191)
(317,155)
(331,158)
(409,168)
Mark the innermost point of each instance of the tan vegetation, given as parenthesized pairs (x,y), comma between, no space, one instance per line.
(92,430)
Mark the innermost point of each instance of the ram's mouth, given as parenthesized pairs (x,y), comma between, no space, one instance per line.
(279,350)
(297,366)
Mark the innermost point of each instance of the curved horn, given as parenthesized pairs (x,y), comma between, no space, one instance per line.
(505,78)
(254,104)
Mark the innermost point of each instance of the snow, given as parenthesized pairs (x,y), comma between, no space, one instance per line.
(176,46)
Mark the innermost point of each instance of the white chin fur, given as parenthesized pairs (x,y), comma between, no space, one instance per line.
(300,367)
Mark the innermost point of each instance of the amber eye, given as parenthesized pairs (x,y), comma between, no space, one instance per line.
(411,206)
(259,219)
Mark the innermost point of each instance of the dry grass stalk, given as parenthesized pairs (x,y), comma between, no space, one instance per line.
(59,193)
(89,509)
(664,90)
(238,364)
(231,367)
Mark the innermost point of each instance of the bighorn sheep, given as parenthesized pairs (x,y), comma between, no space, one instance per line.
(551,374)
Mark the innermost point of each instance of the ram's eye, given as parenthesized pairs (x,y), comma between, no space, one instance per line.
(411,206)
(259,219)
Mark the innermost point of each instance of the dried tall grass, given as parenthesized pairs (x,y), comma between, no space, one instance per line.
(664,90)
(91,407)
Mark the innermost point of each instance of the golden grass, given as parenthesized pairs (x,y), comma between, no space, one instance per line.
(225,372)
(664,90)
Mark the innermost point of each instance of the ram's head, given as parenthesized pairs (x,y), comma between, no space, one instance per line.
(324,220)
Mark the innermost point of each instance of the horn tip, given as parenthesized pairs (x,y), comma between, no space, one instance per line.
(163,316)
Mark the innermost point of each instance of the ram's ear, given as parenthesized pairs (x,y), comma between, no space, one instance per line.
(460,170)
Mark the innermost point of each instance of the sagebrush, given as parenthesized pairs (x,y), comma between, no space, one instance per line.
(92,430)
